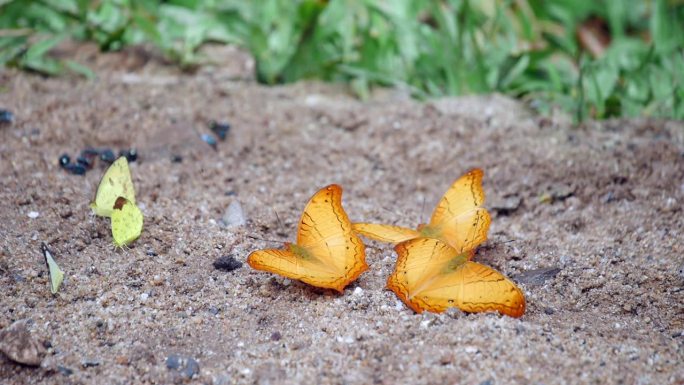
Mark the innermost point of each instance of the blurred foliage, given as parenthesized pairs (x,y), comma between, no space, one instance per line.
(595,58)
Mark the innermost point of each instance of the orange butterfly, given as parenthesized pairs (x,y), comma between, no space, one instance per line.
(431,275)
(458,220)
(327,254)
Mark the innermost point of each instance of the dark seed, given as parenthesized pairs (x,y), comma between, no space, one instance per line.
(130,154)
(220,129)
(227,263)
(64,160)
(75,169)
(6,116)
(85,162)
(107,155)
(90,152)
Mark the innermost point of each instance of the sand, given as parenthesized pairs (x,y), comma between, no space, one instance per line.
(598,206)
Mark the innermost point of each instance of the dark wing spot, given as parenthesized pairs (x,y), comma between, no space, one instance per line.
(120,202)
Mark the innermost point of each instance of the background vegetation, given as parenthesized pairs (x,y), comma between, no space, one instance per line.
(593,58)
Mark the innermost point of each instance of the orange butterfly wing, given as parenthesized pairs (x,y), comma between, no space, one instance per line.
(385,233)
(430,275)
(327,253)
(459,218)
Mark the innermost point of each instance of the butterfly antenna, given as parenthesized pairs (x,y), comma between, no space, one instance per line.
(422,210)
(266,240)
(280,223)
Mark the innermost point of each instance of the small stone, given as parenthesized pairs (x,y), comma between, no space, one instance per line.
(176,159)
(214,310)
(549,310)
(536,277)
(234,215)
(186,366)
(560,191)
(209,139)
(121,360)
(276,336)
(358,291)
(64,370)
(470,349)
(33,214)
(144,297)
(19,346)
(90,363)
(506,205)
(6,116)
(227,263)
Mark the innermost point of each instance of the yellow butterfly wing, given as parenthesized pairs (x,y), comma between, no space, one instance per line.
(127,222)
(56,274)
(459,218)
(115,183)
(430,275)
(328,254)
(385,233)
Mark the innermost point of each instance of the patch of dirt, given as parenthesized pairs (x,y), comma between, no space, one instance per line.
(602,203)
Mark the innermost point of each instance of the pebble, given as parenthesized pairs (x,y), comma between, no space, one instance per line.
(227,263)
(186,366)
(33,214)
(209,139)
(90,363)
(506,205)
(536,277)
(144,297)
(234,215)
(19,346)
(358,291)
(6,116)
(64,370)
(276,336)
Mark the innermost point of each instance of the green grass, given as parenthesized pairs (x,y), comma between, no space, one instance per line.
(528,49)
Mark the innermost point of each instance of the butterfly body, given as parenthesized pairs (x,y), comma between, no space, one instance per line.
(327,253)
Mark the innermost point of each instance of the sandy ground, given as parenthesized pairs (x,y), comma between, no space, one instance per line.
(602,203)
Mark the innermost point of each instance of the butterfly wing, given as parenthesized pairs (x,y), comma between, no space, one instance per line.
(327,253)
(458,219)
(56,274)
(291,265)
(432,276)
(326,234)
(385,233)
(115,183)
(127,222)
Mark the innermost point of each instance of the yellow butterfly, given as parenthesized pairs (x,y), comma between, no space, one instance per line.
(115,183)
(430,275)
(127,222)
(458,220)
(327,254)
(56,274)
